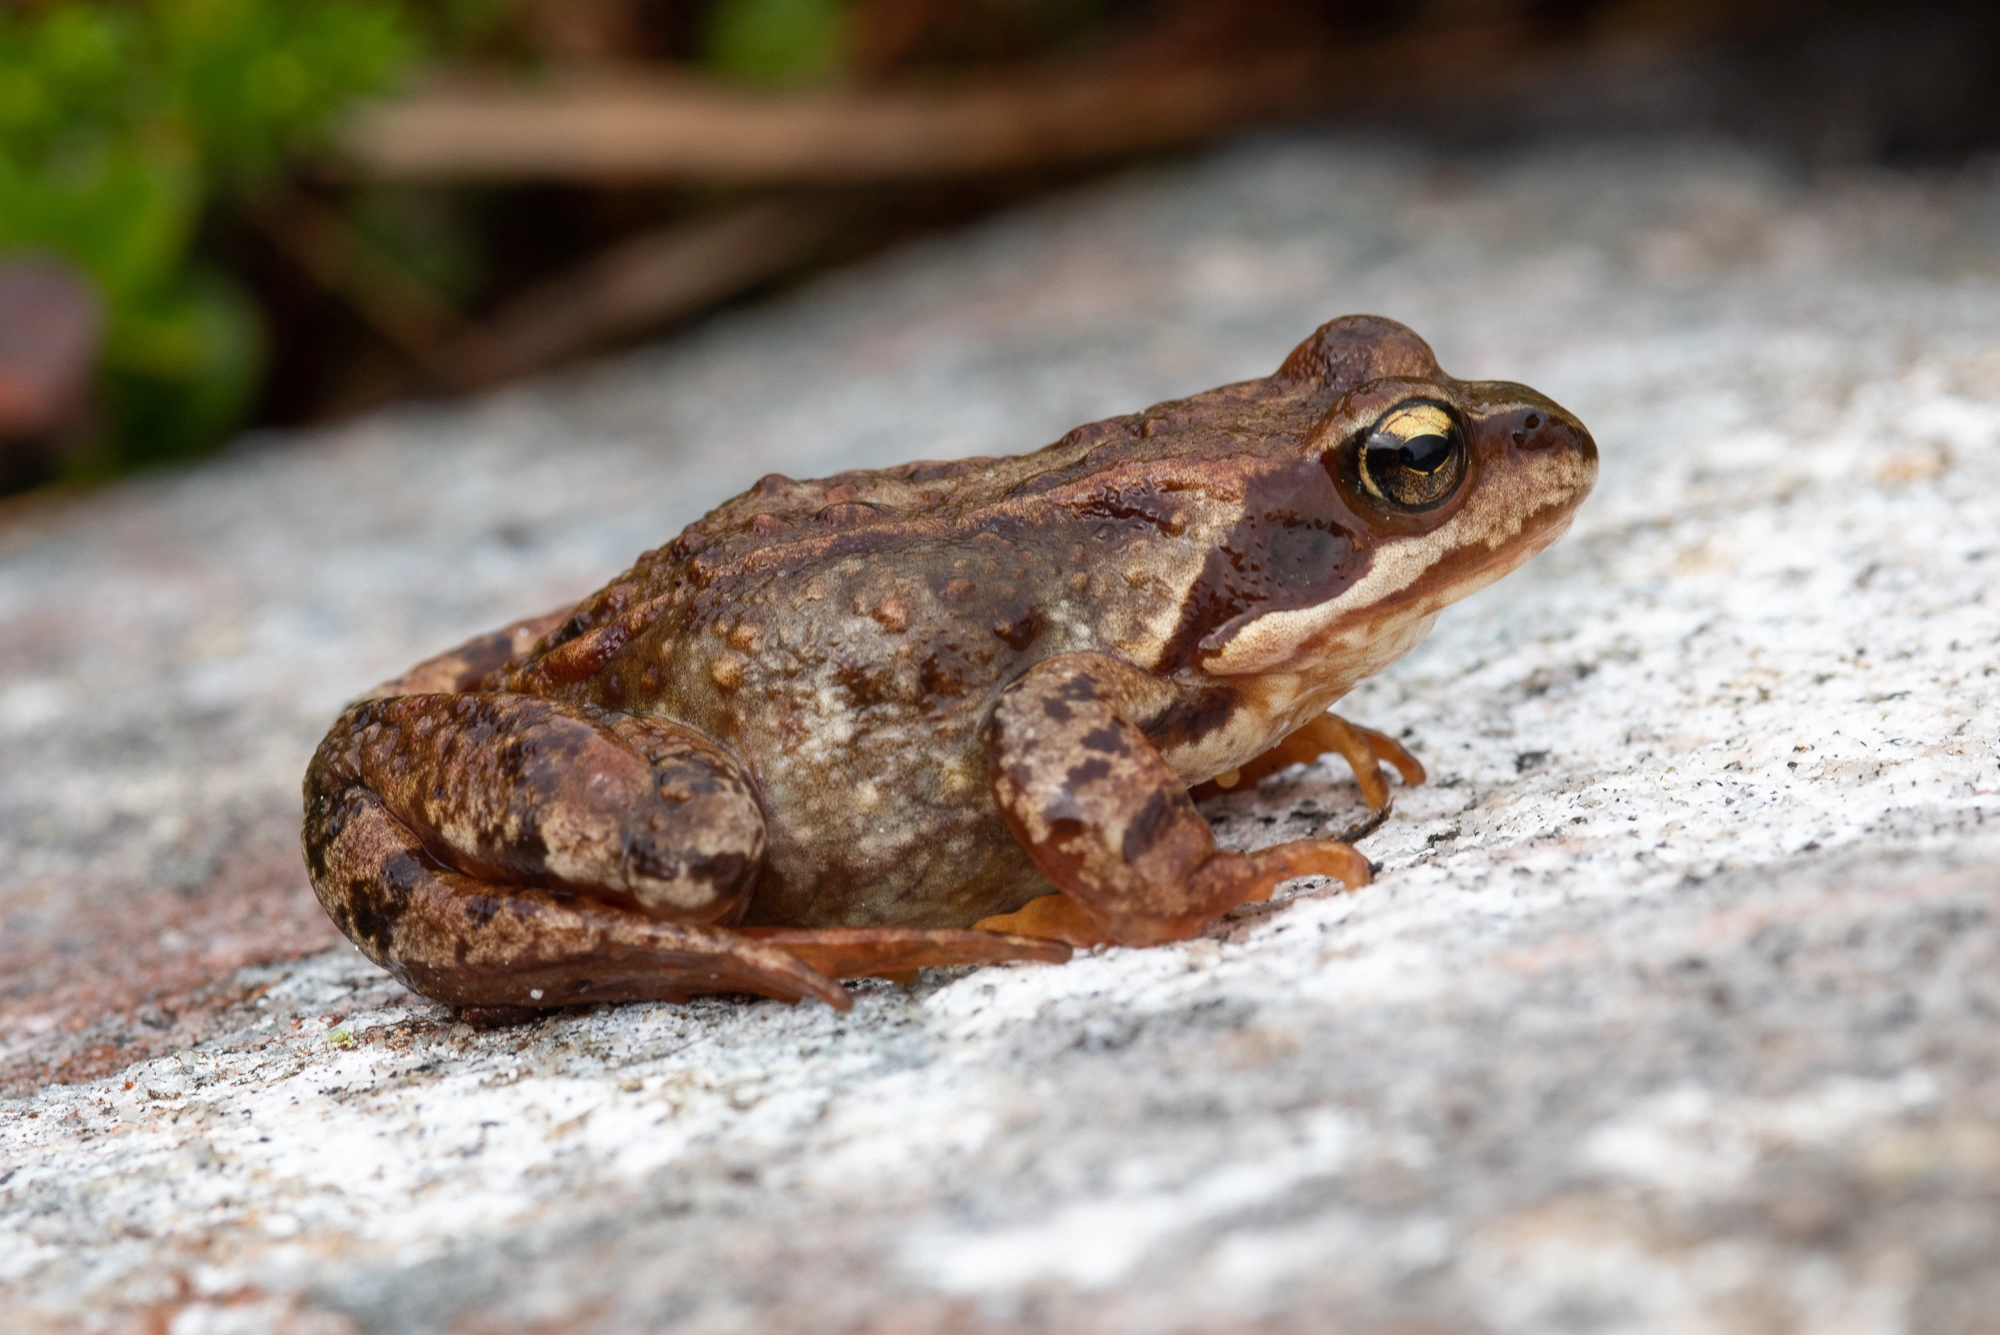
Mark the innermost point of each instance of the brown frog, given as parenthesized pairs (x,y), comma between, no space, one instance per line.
(938,714)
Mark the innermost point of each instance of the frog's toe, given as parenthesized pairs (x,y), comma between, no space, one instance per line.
(1388,748)
(1260,873)
(1054,917)
(1364,750)
(1218,885)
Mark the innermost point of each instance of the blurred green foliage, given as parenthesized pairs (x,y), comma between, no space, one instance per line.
(778,42)
(433,235)
(119,124)
(126,126)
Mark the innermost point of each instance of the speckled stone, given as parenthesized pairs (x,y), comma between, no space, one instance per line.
(1675,1008)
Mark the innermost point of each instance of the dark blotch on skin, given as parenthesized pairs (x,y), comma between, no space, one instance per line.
(1155,819)
(1191,718)
(569,630)
(678,781)
(1020,632)
(322,827)
(1065,830)
(1144,504)
(1078,689)
(1296,545)
(726,872)
(1107,739)
(865,684)
(942,674)
(377,905)
(1088,772)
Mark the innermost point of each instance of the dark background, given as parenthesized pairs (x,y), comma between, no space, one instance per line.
(356,284)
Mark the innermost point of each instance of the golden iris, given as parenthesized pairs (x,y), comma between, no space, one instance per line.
(1414,457)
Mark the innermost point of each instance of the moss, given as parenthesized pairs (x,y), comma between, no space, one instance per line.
(120,127)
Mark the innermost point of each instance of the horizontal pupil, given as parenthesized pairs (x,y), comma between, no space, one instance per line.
(1421,454)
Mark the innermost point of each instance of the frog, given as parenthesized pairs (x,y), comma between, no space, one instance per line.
(940,714)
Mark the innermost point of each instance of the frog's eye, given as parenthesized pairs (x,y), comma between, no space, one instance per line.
(1414,457)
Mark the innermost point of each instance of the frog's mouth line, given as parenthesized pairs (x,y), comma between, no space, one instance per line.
(1394,590)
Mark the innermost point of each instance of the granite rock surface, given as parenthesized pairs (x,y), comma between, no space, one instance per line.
(1675,1008)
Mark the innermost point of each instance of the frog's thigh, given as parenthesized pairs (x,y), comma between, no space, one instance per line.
(494,849)
(511,788)
(1106,819)
(469,942)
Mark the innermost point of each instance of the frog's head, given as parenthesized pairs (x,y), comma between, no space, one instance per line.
(1413,490)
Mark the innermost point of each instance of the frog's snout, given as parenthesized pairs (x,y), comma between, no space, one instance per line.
(1553,446)
(1539,430)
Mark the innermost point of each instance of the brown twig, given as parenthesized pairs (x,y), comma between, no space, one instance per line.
(641,283)
(405,310)
(596,126)
(659,128)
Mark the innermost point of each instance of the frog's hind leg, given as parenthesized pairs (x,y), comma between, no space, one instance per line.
(641,812)
(898,952)
(1364,750)
(498,850)
(503,850)
(468,942)
(460,669)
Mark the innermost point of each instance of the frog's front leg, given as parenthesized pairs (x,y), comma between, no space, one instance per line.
(1364,750)
(1106,819)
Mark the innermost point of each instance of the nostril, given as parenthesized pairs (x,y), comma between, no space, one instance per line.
(1537,432)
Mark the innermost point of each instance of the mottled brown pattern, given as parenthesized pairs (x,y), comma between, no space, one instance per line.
(515,789)
(462,941)
(457,669)
(818,662)
(1296,544)
(1109,822)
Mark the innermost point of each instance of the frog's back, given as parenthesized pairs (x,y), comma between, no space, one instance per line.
(1121,482)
